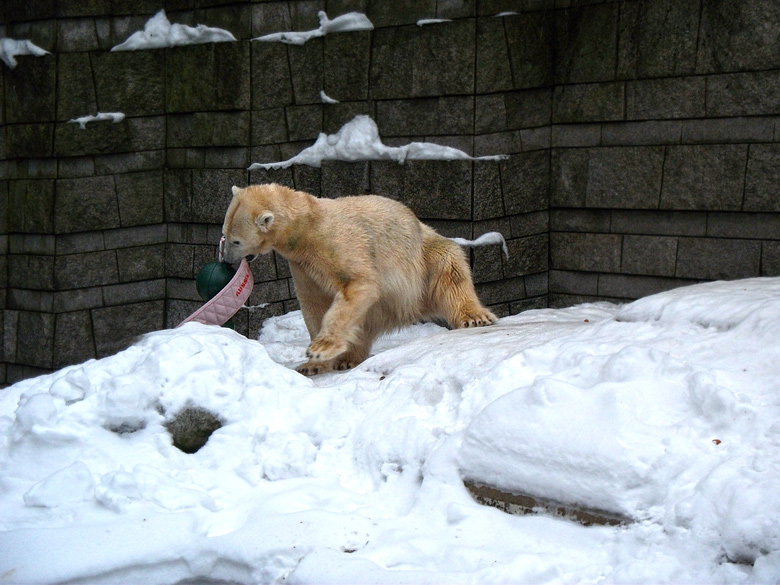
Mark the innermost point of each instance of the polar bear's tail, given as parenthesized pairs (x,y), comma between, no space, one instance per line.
(487,239)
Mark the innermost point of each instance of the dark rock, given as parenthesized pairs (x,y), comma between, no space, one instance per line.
(191,428)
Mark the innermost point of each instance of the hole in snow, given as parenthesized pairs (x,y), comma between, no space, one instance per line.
(191,428)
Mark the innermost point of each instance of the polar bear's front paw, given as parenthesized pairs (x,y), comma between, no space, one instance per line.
(313,368)
(478,319)
(326,348)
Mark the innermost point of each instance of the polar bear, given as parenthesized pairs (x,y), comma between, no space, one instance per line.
(361,266)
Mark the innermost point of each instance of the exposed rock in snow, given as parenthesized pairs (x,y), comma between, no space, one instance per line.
(159,33)
(10,48)
(359,140)
(100,117)
(350,22)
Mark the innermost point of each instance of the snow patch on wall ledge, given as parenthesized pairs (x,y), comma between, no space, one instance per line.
(100,117)
(359,140)
(10,48)
(350,22)
(159,33)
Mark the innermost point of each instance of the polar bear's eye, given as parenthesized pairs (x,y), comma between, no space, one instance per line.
(236,243)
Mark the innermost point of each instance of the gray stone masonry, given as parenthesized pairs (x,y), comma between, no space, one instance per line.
(643,143)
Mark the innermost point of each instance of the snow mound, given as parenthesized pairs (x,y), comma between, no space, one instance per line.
(159,33)
(350,22)
(359,140)
(358,476)
(10,48)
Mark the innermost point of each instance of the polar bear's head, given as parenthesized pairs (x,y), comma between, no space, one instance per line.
(249,222)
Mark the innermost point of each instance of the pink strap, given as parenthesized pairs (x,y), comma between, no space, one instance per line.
(228,301)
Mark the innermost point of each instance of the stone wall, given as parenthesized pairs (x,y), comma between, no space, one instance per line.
(642,140)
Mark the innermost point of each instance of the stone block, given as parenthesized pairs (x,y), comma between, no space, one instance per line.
(385,14)
(346,65)
(744,94)
(501,291)
(530,37)
(207,129)
(675,97)
(177,310)
(525,182)
(141,263)
(31,206)
(580,220)
(586,252)
(73,339)
(704,177)
(659,223)
(536,138)
(226,158)
(85,270)
(29,140)
(76,35)
(134,292)
(38,77)
(588,102)
(269,126)
(211,193)
(129,135)
(649,255)
(135,236)
(438,189)
(718,259)
(35,339)
(658,38)
(43,244)
(737,36)
(191,74)
(487,264)
(628,287)
(270,17)
(130,162)
(10,334)
(500,143)
(759,226)
(69,168)
(341,178)
(309,179)
(179,261)
(576,135)
(728,130)
(270,291)
(625,177)
(304,122)
(271,81)
(642,133)
(177,185)
(488,197)
(770,258)
(527,224)
(140,198)
(132,82)
(336,115)
(426,116)
(528,108)
(281,176)
(75,87)
(80,242)
(306,71)
(78,299)
(586,43)
(578,283)
(762,183)
(569,176)
(527,256)
(493,66)
(116,328)
(30,300)
(391,63)
(86,204)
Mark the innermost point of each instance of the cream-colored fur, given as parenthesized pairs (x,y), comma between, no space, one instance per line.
(361,266)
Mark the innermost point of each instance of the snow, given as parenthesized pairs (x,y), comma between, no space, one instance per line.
(350,22)
(159,33)
(100,117)
(664,410)
(10,48)
(427,21)
(488,239)
(327,99)
(359,140)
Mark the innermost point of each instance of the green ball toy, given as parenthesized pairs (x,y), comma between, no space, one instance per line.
(211,279)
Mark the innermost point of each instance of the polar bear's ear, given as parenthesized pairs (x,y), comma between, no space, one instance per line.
(264,221)
(236,190)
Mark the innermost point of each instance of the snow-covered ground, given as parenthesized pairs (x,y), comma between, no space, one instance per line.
(665,410)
